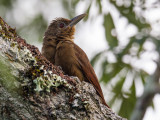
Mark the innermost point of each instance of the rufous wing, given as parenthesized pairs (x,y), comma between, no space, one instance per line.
(88,71)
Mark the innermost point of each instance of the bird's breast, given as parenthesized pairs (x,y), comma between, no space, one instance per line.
(66,58)
(48,52)
(64,53)
(64,50)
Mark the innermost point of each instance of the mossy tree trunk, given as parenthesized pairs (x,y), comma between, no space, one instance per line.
(31,88)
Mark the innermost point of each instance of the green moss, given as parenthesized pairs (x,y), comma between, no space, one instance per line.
(39,79)
(6,31)
(7,78)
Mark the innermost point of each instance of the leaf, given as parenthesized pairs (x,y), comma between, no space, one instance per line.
(109,26)
(140,43)
(87,11)
(114,69)
(96,58)
(142,77)
(99,5)
(128,103)
(127,48)
(104,76)
(152,104)
(117,90)
(7,3)
(119,85)
(133,89)
(126,108)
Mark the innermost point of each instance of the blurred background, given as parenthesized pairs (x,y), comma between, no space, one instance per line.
(121,39)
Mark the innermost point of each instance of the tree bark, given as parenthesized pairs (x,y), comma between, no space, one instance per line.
(31,88)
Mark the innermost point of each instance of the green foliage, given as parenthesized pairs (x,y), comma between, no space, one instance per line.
(129,13)
(128,102)
(36,27)
(95,58)
(70,6)
(87,12)
(99,4)
(119,70)
(112,71)
(6,3)
(117,89)
(7,78)
(109,26)
(5,6)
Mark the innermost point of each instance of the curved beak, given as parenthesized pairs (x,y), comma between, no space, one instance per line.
(76,19)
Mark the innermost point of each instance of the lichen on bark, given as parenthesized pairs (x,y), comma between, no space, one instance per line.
(31,88)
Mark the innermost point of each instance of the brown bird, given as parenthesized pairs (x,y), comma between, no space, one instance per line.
(60,49)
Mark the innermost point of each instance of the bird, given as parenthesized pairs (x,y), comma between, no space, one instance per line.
(59,48)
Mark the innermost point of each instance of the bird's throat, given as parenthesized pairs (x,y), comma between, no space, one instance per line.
(65,38)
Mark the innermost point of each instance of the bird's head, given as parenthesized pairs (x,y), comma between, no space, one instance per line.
(62,29)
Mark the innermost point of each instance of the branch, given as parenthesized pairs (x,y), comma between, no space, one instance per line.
(32,88)
(151,88)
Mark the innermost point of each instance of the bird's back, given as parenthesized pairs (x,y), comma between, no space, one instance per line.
(88,71)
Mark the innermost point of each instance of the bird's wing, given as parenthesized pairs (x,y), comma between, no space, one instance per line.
(87,70)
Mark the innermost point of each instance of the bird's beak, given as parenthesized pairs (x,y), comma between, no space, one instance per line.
(76,19)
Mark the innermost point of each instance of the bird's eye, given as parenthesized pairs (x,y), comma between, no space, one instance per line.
(61,25)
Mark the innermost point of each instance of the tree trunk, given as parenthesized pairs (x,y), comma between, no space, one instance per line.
(31,88)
